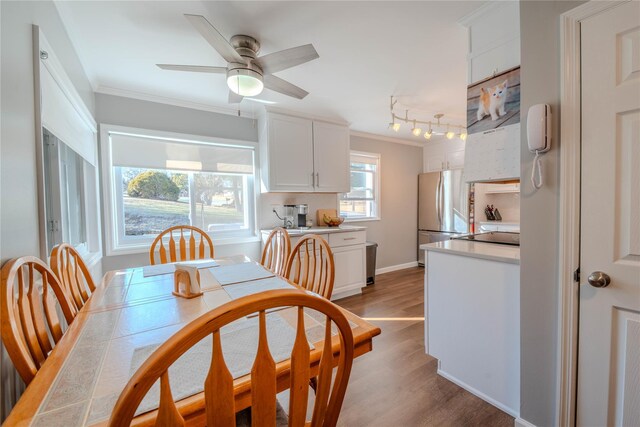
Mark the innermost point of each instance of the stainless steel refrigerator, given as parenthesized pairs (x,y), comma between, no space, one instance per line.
(443,207)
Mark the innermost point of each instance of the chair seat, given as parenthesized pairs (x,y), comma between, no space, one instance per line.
(243,418)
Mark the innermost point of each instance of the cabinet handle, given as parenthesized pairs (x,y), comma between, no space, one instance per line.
(349,238)
(442,165)
(447,165)
(313,179)
(317,179)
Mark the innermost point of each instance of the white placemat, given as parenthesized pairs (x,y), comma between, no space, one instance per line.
(158,269)
(239,347)
(240,290)
(236,273)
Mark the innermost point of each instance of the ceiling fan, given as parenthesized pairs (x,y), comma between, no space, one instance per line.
(247,74)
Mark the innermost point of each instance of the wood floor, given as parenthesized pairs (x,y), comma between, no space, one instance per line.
(396,384)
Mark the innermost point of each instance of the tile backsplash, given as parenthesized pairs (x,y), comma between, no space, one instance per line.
(315,201)
(507,203)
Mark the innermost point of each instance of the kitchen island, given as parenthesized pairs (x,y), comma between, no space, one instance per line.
(349,255)
(472,317)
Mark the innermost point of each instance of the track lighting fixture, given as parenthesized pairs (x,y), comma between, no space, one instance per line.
(435,127)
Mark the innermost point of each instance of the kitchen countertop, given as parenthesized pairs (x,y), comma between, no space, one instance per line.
(320,230)
(488,251)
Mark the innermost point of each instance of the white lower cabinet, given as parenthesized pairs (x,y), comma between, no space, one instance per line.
(349,258)
(472,325)
(350,270)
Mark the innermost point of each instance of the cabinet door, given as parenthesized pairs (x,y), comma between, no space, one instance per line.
(455,160)
(434,163)
(349,262)
(290,152)
(331,157)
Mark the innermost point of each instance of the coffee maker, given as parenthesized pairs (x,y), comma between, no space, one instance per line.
(295,216)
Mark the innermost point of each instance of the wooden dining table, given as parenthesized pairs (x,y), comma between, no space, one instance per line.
(131,313)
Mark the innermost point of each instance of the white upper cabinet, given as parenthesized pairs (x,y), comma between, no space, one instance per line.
(494,39)
(455,160)
(298,154)
(331,157)
(444,155)
(289,154)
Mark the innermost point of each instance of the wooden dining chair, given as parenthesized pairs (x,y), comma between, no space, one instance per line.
(199,241)
(30,324)
(311,266)
(219,386)
(276,251)
(69,267)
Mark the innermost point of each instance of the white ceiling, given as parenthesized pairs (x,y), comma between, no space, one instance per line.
(368,51)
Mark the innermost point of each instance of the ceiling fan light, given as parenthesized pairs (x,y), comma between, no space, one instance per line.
(416,131)
(463,135)
(396,127)
(245,82)
(428,134)
(450,135)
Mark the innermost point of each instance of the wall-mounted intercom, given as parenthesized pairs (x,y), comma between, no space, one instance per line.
(538,138)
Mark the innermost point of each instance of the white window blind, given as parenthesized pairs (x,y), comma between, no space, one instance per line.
(152,153)
(61,117)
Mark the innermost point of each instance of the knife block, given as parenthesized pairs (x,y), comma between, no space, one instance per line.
(186,281)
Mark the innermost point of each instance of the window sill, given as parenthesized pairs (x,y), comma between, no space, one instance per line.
(144,248)
(362,219)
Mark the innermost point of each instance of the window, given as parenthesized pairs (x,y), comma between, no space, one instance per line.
(158,181)
(362,202)
(64,194)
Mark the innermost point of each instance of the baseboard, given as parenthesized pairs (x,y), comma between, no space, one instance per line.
(478,393)
(396,267)
(519,422)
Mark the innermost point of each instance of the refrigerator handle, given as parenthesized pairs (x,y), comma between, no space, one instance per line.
(441,204)
(438,190)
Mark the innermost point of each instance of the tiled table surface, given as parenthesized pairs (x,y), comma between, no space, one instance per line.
(128,311)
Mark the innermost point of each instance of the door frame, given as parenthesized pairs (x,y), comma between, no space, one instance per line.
(569,215)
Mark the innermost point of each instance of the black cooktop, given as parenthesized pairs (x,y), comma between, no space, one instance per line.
(499,237)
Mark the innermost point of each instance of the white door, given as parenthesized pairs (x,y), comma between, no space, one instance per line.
(331,157)
(609,331)
(290,153)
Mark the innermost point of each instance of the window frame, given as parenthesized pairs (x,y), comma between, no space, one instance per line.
(72,123)
(113,225)
(377,185)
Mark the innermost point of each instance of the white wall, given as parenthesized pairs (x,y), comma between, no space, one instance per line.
(18,188)
(540,77)
(397,231)
(116,110)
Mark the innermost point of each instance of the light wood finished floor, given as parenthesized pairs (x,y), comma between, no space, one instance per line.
(397,384)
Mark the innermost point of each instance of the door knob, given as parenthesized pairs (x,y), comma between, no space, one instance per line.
(598,279)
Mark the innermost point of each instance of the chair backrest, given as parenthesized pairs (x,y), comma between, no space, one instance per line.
(30,325)
(276,251)
(310,265)
(218,387)
(199,241)
(69,267)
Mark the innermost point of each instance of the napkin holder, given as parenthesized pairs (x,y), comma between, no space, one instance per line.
(186,280)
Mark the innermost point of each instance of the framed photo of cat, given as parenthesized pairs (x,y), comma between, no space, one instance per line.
(494,102)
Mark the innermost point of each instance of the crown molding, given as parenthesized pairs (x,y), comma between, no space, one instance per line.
(386,138)
(279,110)
(142,96)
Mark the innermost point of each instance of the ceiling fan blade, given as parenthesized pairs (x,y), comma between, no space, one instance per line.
(284,87)
(234,98)
(193,68)
(278,61)
(215,39)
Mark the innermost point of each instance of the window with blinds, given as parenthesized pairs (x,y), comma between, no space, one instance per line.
(362,202)
(160,182)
